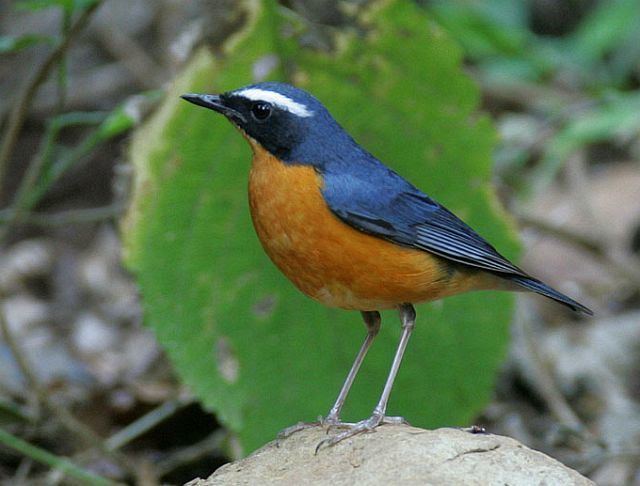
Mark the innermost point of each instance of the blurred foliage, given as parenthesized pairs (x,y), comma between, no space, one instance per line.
(601,50)
(57,158)
(589,74)
(253,348)
(54,159)
(616,118)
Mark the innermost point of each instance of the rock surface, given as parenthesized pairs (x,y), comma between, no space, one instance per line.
(396,454)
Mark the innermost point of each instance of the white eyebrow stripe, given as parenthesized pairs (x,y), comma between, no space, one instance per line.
(280,100)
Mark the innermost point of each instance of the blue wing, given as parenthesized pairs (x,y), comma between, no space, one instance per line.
(380,202)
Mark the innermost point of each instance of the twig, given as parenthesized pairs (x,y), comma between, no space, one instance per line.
(71,216)
(192,453)
(21,107)
(145,423)
(86,434)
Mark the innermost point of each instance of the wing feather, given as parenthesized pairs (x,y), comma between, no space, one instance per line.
(399,212)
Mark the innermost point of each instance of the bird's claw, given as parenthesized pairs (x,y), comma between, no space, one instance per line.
(366,425)
(292,429)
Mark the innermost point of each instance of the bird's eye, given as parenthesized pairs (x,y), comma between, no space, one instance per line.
(261,110)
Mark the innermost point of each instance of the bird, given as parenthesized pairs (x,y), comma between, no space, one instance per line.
(350,232)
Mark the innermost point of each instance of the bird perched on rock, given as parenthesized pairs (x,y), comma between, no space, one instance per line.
(350,232)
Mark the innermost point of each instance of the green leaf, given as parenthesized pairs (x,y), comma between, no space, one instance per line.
(255,350)
(15,43)
(125,116)
(118,122)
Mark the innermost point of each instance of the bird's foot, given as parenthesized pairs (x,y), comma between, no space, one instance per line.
(327,422)
(366,425)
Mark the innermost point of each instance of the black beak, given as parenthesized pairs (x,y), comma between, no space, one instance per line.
(213,102)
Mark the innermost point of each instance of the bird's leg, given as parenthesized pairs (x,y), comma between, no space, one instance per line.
(372,320)
(408,318)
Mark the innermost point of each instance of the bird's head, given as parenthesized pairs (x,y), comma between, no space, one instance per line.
(287,121)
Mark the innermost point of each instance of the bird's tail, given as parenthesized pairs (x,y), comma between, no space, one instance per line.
(538,287)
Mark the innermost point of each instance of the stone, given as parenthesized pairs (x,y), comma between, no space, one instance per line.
(396,454)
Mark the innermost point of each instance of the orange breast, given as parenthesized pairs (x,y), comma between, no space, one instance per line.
(329,260)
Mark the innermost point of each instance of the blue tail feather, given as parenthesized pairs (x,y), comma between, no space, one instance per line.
(538,287)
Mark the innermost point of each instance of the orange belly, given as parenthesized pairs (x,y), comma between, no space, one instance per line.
(329,260)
